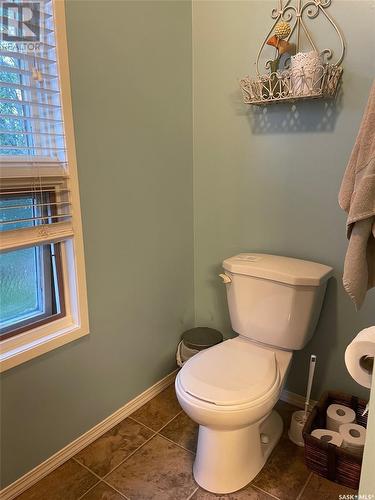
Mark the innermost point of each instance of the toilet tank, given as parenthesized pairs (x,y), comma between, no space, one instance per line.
(275,300)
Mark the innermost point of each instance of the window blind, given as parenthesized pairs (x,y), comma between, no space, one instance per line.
(35,204)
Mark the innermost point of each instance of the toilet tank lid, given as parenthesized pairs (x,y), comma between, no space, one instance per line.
(277,268)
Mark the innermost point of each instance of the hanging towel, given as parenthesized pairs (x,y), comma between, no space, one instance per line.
(357,198)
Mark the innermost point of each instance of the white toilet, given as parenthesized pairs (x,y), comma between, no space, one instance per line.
(230,389)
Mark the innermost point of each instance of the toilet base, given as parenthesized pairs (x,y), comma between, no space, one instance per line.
(227,460)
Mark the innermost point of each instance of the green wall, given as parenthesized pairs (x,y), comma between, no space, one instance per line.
(131,83)
(267,179)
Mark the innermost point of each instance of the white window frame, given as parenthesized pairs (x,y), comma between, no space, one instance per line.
(75,324)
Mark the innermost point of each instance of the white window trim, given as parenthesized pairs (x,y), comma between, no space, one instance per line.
(74,324)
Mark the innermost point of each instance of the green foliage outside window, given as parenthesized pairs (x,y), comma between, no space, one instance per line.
(15,109)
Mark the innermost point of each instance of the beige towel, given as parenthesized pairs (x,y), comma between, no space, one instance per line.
(357,198)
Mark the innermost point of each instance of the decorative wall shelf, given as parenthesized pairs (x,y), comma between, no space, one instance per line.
(294,75)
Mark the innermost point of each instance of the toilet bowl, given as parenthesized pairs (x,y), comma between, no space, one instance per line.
(230,391)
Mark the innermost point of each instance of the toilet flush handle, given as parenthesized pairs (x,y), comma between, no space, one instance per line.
(226,279)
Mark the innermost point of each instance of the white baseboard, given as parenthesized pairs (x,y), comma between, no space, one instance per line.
(41,470)
(295,399)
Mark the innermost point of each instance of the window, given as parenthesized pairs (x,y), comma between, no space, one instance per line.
(43,295)
(31,289)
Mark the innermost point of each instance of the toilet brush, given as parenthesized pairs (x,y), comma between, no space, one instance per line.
(299,417)
(309,384)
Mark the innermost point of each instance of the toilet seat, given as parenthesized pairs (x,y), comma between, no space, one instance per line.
(232,373)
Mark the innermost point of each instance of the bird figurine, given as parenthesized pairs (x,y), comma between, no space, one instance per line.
(278,40)
(281,45)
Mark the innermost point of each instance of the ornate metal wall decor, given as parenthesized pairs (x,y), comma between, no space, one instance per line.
(294,74)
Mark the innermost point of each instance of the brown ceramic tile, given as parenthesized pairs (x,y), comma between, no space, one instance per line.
(183,431)
(321,488)
(104,454)
(285,411)
(248,493)
(102,492)
(159,470)
(159,410)
(285,472)
(68,482)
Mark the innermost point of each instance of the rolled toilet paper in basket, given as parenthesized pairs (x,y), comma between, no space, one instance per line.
(328,436)
(338,415)
(353,437)
(359,356)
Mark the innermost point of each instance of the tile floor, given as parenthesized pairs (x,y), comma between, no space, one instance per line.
(150,455)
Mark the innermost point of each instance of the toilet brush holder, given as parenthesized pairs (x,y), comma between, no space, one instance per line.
(299,418)
(296,426)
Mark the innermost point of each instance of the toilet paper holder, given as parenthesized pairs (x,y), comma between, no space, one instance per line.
(367,363)
(359,357)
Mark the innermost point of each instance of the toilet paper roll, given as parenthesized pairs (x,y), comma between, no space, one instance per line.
(338,415)
(359,357)
(353,437)
(328,436)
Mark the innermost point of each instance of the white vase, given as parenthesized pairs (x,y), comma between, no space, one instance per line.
(306,73)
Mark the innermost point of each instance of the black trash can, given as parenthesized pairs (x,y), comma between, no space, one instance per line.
(195,340)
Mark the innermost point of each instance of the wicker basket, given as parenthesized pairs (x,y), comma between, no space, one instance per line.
(324,458)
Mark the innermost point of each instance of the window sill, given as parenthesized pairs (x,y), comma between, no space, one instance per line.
(29,345)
